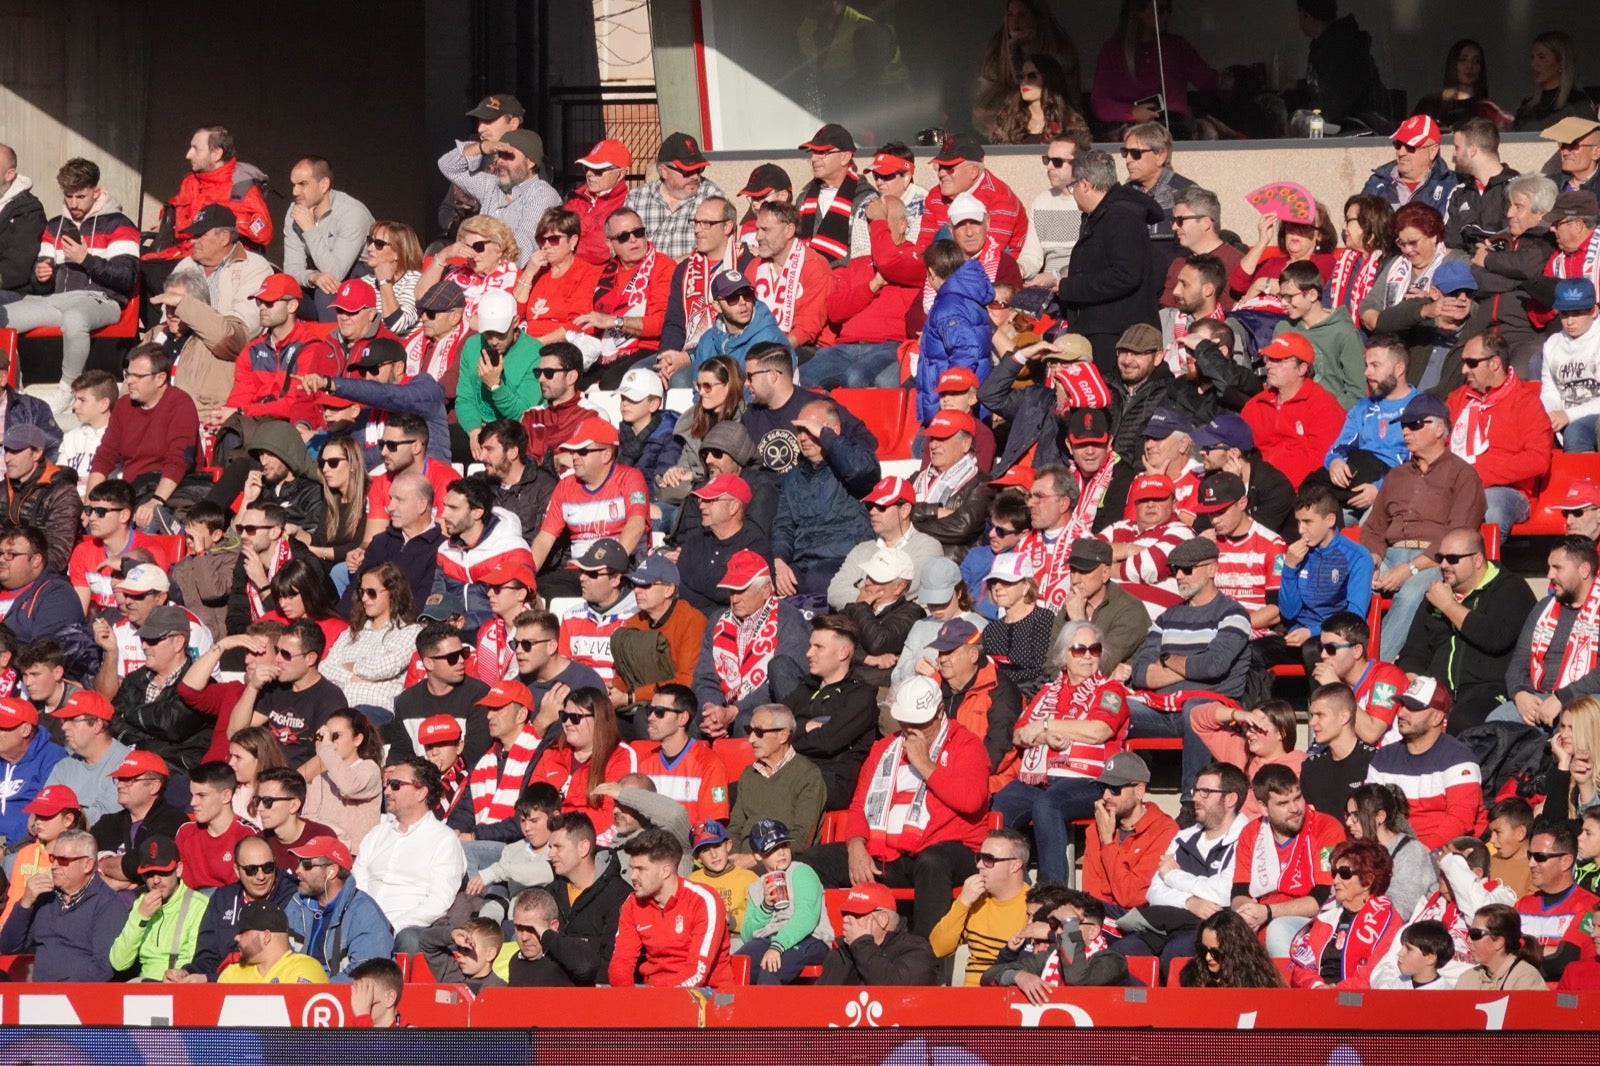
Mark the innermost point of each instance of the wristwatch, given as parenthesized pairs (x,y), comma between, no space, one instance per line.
(1412,566)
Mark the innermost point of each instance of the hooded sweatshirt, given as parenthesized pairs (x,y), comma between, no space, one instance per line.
(718,341)
(21,781)
(1341,358)
(21,222)
(112,265)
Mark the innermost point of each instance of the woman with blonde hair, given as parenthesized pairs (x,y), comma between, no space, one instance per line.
(342,464)
(1573,785)
(483,257)
(394,256)
(1553,61)
(1019,640)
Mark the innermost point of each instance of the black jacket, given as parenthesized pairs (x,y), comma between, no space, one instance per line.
(1112,284)
(703,562)
(114,832)
(417,559)
(165,725)
(568,962)
(1342,79)
(1229,386)
(1130,412)
(1513,276)
(969,513)
(840,745)
(21,223)
(881,633)
(528,499)
(221,923)
(1483,211)
(1481,651)
(49,503)
(593,916)
(904,958)
(239,614)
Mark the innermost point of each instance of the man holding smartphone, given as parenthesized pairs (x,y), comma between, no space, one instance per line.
(506,359)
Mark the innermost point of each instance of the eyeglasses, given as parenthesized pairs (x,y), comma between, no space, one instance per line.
(130,375)
(1329,647)
(67,860)
(763,731)
(987,860)
(269,801)
(1455,557)
(101,512)
(450,657)
(377,242)
(662,712)
(1546,856)
(395,445)
(330,461)
(702,223)
(1136,153)
(1407,246)
(1478,933)
(1081,650)
(8,556)
(1178,220)
(574,717)
(371,593)
(256,869)
(1199,791)
(1039,495)
(1055,161)
(1473,364)
(527,645)
(250,529)
(1345,873)
(638,233)
(395,784)
(313,864)
(547,239)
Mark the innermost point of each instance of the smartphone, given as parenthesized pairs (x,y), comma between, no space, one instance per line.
(494,357)
(1155,102)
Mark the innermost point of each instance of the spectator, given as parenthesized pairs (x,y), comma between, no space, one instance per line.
(838,709)
(142,592)
(279,471)
(1437,773)
(1143,384)
(1419,238)
(467,953)
(323,232)
(704,551)
(557,285)
(590,746)
(504,359)
(1028,28)
(93,393)
(67,918)
(891,507)
(645,433)
(1569,390)
(150,714)
(1477,207)
(1203,377)
(882,614)
(1094,596)
(589,887)
(208,842)
(1128,838)
(41,669)
(27,756)
(777,404)
(742,320)
(790,277)
(1463,887)
(164,924)
(1507,959)
(93,753)
(409,541)
(1510,826)
(1378,812)
(480,538)
(302,593)
(521,486)
(819,495)
(512,590)
(151,438)
(683,769)
(508,189)
(1342,79)
(991,907)
(1556,94)
(84,272)
(1370,444)
(960,168)
(542,667)
(549,956)
(42,602)
(606,603)
(1227,443)
(1262,736)
(777,784)
(411,863)
(1553,914)
(1464,92)
(255,877)
(1294,420)
(1044,105)
(1576,154)
(715,868)
(346,793)
(1229,955)
(667,205)
(695,952)
(1279,880)
(1419,502)
(785,927)
(264,385)
(893,172)
(445,689)
(265,549)
(330,918)
(141,783)
(869,303)
(1250,557)
(252,753)
(1468,632)
(524,861)
(21,221)
(1368,233)
(1417,175)
(1032,411)
(1323,574)
(1376,685)
(1142,59)
(604,188)
(748,653)
(660,644)
(204,577)
(1197,227)
(1101,482)
(1147,155)
(602,500)
(1140,546)
(203,344)
(393,254)
(224,255)
(1019,640)
(368,661)
(1057,222)
(1509,461)
(1319,958)
(976,693)
(837,229)
(278,803)
(630,301)
(929,848)
(262,941)
(969,232)
(1339,361)
(873,946)
(1113,281)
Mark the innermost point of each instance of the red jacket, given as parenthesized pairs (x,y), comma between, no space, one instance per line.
(681,945)
(958,793)
(216,187)
(860,315)
(549,427)
(614,278)
(264,384)
(1120,872)
(1507,439)
(1295,435)
(593,211)
(1008,219)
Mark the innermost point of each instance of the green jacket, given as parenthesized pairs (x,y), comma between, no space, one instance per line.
(476,404)
(1341,366)
(163,941)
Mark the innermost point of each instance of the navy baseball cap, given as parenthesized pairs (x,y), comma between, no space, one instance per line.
(657,569)
(1165,421)
(1225,431)
(1425,405)
(728,282)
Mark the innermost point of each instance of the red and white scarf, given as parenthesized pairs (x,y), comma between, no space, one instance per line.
(989,257)
(1561,263)
(1403,280)
(779,287)
(494,791)
(1353,277)
(1582,643)
(741,652)
(1469,436)
(473,285)
(1049,562)
(1081,385)
(931,486)
(426,355)
(699,311)
(632,303)
(274,564)
(1367,935)
(896,805)
(1052,964)
(1041,762)
(1289,872)
(496,660)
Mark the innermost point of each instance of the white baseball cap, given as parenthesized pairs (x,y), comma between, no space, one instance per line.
(1010,567)
(640,383)
(916,701)
(497,310)
(890,564)
(967,208)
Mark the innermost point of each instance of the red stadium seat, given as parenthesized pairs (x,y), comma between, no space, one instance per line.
(1146,968)
(1155,744)
(740,964)
(885,412)
(124,328)
(8,344)
(173,545)
(1545,520)
(1174,969)
(736,754)
(403,960)
(832,900)
(17,968)
(832,830)
(421,972)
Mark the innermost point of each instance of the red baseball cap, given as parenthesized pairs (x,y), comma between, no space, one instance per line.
(511,570)
(324,847)
(505,693)
(139,763)
(887,166)
(52,800)
(1417,131)
(85,701)
(1151,487)
(591,432)
(1580,494)
(725,485)
(959,379)
(1018,476)
(279,287)
(867,897)
(607,154)
(1291,345)
(439,729)
(744,568)
(947,424)
(355,295)
(891,490)
(15,712)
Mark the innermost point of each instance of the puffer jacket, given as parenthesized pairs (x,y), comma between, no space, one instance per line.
(165,725)
(1434,191)
(21,223)
(461,568)
(957,334)
(1131,411)
(49,502)
(820,517)
(233,184)
(650,452)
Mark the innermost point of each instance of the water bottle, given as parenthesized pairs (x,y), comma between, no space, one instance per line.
(1316,127)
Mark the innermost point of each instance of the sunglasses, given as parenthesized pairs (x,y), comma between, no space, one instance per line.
(67,860)
(706,386)
(550,371)
(259,302)
(1178,220)
(313,864)
(1473,364)
(1136,153)
(1001,531)
(527,645)
(268,801)
(395,445)
(1344,873)
(1455,557)
(638,233)
(1402,146)
(1414,426)
(574,717)
(1185,571)
(1546,856)
(370,594)
(330,461)
(1081,650)
(549,239)
(713,453)
(987,860)
(377,242)
(1329,647)
(502,586)
(151,642)
(141,596)
(450,657)
(256,869)
(662,712)
(250,530)
(286,656)
(1476,933)
(395,784)
(101,512)
(478,247)
(743,296)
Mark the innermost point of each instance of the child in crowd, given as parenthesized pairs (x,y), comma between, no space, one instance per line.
(1509,822)
(785,927)
(714,868)
(1424,948)
(1587,870)
(522,863)
(93,393)
(204,577)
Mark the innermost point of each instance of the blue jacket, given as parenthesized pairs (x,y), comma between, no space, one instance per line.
(21,781)
(957,334)
(1327,581)
(421,396)
(353,930)
(70,945)
(49,607)
(654,454)
(1434,191)
(1373,426)
(718,341)
(820,514)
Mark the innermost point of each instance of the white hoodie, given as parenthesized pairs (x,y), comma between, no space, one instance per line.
(1570,379)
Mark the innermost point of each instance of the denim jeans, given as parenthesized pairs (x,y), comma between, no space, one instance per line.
(1507,507)
(1051,808)
(1409,597)
(1146,723)
(809,952)
(1579,436)
(853,366)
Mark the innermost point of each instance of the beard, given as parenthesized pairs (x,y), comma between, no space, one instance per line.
(1379,390)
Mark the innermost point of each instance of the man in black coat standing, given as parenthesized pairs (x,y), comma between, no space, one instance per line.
(21,222)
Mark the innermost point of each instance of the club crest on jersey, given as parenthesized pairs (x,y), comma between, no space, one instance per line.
(677,925)
(718,794)
(1383,694)
(1111,702)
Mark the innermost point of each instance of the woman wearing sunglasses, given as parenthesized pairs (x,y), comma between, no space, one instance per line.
(557,285)
(1507,960)
(302,592)
(369,659)
(1228,954)
(394,255)
(348,793)
(483,257)
(1356,927)
(342,464)
(1249,739)
(1051,778)
(719,397)
(588,753)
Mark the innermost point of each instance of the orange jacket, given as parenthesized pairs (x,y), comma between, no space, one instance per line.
(1120,872)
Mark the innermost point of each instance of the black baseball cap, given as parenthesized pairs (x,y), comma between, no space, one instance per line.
(210,217)
(496,105)
(682,151)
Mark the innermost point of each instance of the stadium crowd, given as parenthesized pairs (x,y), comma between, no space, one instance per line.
(689,676)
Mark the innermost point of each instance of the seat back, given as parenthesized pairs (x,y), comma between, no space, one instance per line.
(832,830)
(884,412)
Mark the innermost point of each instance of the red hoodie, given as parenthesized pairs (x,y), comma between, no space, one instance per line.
(860,315)
(216,187)
(1505,435)
(593,211)
(681,945)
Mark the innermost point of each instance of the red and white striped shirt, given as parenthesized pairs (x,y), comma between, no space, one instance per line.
(1249,567)
(1146,573)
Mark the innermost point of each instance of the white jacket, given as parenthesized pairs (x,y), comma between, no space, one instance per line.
(1471,893)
